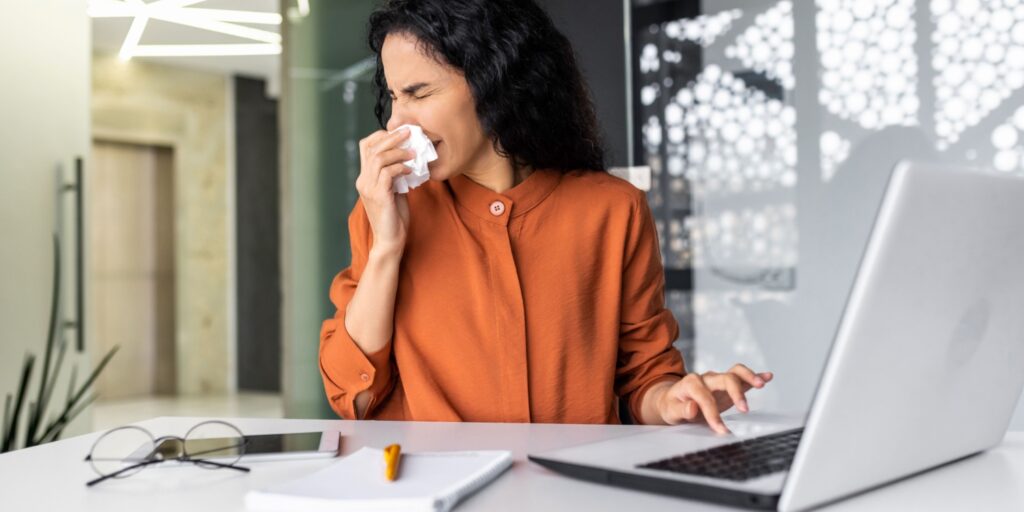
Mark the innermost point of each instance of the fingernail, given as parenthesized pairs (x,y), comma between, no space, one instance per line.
(759,381)
(744,407)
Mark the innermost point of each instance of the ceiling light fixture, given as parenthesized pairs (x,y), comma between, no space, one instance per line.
(205,50)
(221,21)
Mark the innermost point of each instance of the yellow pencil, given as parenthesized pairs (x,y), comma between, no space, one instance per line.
(391,455)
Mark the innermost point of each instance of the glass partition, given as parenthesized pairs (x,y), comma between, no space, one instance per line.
(327,107)
(771,128)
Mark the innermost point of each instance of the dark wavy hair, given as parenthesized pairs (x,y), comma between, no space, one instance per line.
(530,96)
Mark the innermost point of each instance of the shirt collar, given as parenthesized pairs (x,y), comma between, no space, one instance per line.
(516,201)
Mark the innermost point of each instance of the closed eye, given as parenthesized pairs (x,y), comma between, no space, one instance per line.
(410,91)
(395,98)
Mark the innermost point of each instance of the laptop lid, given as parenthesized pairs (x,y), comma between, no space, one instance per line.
(926,363)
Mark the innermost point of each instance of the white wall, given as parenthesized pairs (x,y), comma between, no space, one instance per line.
(44,123)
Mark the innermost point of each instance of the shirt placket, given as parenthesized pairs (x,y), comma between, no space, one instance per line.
(509,314)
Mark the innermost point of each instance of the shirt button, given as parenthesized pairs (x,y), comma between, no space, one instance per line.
(364,376)
(497,208)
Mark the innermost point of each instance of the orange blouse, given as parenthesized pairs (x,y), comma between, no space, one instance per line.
(544,303)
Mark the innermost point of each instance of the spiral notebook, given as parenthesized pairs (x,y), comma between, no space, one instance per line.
(428,481)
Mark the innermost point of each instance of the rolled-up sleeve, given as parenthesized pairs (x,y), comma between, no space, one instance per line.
(647,329)
(345,369)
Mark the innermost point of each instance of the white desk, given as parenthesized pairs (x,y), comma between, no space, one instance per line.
(52,477)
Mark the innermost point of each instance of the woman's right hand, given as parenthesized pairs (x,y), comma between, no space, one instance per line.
(380,162)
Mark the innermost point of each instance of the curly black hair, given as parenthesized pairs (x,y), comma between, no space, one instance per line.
(530,96)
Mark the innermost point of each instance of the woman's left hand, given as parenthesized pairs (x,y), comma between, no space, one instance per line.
(705,396)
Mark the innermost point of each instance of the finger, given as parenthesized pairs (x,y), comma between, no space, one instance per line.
(734,386)
(385,159)
(374,137)
(391,156)
(747,375)
(388,174)
(385,185)
(702,395)
(369,141)
(679,411)
(391,140)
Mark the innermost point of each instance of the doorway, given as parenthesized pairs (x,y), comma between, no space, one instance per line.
(130,266)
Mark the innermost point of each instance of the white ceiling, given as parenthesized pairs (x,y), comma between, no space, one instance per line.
(109,33)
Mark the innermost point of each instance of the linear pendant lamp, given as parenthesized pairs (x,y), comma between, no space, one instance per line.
(182,12)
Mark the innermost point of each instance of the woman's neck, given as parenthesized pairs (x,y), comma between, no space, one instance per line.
(500,175)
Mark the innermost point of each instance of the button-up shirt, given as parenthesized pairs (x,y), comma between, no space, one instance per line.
(543,303)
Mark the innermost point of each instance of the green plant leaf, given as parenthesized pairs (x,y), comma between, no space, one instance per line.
(56,373)
(71,417)
(7,419)
(26,374)
(71,385)
(95,373)
(36,415)
(28,437)
(33,439)
(54,428)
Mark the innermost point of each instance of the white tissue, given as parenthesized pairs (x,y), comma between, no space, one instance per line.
(425,153)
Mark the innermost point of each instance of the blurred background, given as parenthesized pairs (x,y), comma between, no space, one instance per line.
(196,161)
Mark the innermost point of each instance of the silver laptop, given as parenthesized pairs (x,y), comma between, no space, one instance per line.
(925,367)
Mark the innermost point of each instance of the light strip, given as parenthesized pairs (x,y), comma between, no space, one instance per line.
(256,18)
(100,9)
(223,21)
(230,29)
(303,8)
(205,50)
(172,4)
(134,34)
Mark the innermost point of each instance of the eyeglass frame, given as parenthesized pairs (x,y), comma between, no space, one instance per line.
(182,456)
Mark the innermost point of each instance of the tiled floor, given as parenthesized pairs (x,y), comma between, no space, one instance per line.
(115,413)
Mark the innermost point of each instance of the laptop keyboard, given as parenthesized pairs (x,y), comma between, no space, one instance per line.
(738,461)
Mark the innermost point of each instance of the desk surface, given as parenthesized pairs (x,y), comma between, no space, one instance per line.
(52,477)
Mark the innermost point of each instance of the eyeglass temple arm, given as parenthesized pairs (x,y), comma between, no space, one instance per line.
(95,481)
(148,462)
(218,464)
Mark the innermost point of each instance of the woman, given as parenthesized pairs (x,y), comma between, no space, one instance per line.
(522,282)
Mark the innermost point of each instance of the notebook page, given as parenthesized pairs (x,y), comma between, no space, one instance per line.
(426,481)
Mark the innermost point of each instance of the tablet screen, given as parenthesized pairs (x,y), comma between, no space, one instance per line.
(257,445)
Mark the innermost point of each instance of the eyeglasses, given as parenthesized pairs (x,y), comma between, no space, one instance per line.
(124,451)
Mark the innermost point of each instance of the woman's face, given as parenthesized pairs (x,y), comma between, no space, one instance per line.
(436,97)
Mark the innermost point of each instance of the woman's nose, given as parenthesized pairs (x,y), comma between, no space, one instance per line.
(395,122)
(399,117)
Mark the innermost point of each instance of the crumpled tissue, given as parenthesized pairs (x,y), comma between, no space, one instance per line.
(425,154)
